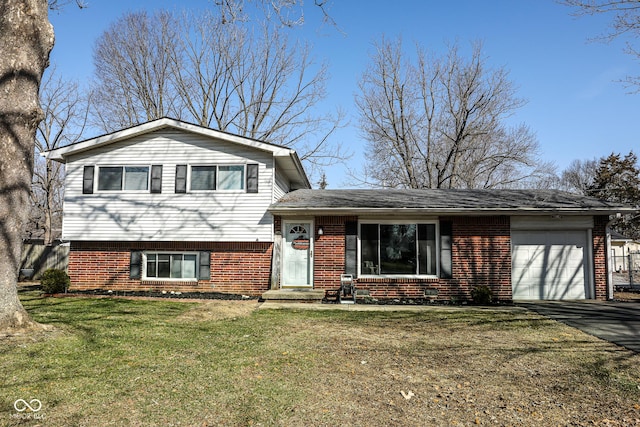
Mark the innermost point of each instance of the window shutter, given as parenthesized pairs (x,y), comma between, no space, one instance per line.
(204,269)
(87,180)
(181,178)
(252,178)
(156,179)
(446,271)
(135,265)
(351,248)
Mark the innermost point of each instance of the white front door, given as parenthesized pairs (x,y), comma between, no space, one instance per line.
(297,252)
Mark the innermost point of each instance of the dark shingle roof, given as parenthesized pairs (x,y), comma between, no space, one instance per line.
(444,201)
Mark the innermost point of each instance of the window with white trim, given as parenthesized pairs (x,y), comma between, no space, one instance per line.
(123,178)
(165,265)
(217,177)
(398,249)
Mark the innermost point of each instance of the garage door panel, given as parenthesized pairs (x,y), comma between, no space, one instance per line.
(549,264)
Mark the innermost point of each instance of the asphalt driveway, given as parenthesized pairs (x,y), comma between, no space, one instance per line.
(616,322)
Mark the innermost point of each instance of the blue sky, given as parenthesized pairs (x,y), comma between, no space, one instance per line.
(575,106)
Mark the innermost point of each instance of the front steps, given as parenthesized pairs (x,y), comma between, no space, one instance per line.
(294,295)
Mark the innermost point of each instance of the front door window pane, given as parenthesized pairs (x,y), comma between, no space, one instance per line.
(231,177)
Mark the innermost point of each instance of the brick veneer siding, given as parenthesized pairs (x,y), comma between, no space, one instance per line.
(600,259)
(481,255)
(236,267)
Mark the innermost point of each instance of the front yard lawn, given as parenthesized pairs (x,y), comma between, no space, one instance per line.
(136,362)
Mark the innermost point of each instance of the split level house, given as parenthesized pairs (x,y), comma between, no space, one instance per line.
(172,206)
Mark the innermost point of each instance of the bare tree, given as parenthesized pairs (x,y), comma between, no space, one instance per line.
(579,176)
(439,122)
(625,23)
(289,13)
(26,39)
(65,116)
(133,65)
(214,73)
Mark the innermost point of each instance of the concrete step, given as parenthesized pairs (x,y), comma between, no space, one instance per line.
(294,294)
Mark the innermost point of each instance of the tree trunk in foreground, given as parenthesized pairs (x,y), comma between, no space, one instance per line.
(26,38)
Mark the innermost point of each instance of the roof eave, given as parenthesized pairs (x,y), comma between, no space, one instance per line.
(60,154)
(286,211)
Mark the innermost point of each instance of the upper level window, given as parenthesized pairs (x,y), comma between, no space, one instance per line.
(128,178)
(231,177)
(398,249)
(207,178)
(203,178)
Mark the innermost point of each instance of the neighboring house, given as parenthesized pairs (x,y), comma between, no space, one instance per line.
(621,248)
(178,207)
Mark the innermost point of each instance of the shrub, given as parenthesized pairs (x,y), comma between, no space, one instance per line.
(54,281)
(482,295)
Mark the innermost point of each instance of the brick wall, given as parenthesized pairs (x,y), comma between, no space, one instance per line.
(236,267)
(329,251)
(481,254)
(600,257)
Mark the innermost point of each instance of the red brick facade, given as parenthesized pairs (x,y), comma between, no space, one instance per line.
(600,258)
(481,255)
(236,268)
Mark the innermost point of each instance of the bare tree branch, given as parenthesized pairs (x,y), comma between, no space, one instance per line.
(440,122)
(215,73)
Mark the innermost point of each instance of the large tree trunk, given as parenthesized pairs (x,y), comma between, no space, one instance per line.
(26,38)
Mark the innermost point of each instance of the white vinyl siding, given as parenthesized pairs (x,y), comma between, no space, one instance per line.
(281,187)
(167,216)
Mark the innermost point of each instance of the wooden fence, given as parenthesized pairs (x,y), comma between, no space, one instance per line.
(39,258)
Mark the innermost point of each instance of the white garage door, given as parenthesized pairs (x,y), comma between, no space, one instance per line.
(550,264)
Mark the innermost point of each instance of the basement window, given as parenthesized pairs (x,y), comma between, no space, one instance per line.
(161,265)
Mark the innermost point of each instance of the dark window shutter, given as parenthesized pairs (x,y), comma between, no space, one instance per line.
(87,180)
(252,178)
(204,269)
(446,270)
(156,179)
(135,265)
(181,178)
(351,248)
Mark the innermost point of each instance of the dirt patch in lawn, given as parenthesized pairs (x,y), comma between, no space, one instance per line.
(219,310)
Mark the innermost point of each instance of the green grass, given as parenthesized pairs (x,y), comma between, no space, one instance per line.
(133,362)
